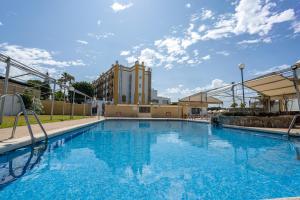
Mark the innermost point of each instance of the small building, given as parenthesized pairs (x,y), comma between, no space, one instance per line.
(125,85)
(197,104)
(12,107)
(155,99)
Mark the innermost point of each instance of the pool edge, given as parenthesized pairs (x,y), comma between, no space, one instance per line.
(17,143)
(13,144)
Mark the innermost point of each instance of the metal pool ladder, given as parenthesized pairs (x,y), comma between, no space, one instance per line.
(25,112)
(292,124)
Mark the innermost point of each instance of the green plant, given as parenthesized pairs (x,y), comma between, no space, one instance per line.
(37,106)
(84,87)
(27,100)
(233,105)
(243,105)
(43,86)
(59,96)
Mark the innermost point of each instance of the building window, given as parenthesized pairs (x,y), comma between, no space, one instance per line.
(124,98)
(140,85)
(196,111)
(140,77)
(144,109)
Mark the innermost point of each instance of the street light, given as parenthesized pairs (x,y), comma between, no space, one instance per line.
(242,67)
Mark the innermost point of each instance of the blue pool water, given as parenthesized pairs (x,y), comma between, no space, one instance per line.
(153,160)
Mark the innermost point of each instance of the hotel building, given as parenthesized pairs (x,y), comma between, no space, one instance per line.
(127,85)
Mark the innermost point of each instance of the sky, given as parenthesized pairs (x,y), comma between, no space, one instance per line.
(189,45)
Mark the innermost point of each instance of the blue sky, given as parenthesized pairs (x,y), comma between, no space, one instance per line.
(190,45)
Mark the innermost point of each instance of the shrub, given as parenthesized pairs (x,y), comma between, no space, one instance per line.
(243,105)
(233,105)
(27,100)
(37,106)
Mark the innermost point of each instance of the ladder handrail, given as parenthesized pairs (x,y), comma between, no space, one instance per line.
(25,112)
(292,123)
(36,118)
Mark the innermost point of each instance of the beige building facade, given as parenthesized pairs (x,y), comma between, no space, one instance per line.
(125,85)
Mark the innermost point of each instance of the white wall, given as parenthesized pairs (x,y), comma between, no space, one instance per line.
(11,106)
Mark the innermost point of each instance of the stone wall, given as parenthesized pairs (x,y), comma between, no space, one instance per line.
(282,121)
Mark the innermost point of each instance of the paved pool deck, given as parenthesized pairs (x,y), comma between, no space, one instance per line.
(22,137)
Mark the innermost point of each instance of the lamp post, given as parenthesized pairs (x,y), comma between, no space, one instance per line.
(242,67)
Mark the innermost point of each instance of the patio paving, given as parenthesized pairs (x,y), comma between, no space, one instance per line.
(22,131)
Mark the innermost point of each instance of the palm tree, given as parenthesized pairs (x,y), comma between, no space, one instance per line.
(65,79)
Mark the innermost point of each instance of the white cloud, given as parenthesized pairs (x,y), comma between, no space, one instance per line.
(99,22)
(191,37)
(82,42)
(201,28)
(223,28)
(35,56)
(256,17)
(207,57)
(131,59)
(119,6)
(1,24)
(255,41)
(151,57)
(100,36)
(171,44)
(252,17)
(188,5)
(269,70)
(224,53)
(180,91)
(296,27)
(125,53)
(206,14)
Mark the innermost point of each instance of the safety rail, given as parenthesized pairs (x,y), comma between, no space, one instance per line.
(25,112)
(292,123)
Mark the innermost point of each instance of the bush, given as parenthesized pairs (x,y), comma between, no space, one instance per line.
(243,105)
(234,105)
(37,106)
(27,100)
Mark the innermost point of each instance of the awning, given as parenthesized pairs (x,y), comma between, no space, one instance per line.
(272,85)
(201,97)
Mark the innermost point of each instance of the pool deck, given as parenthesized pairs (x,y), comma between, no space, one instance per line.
(22,137)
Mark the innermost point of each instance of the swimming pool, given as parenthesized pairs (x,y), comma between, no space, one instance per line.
(132,159)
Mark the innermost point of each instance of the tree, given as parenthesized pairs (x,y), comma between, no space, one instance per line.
(59,96)
(234,105)
(65,79)
(84,87)
(44,87)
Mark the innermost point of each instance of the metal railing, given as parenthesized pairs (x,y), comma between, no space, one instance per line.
(292,123)
(25,112)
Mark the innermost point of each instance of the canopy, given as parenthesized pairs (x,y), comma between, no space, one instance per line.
(272,85)
(201,97)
